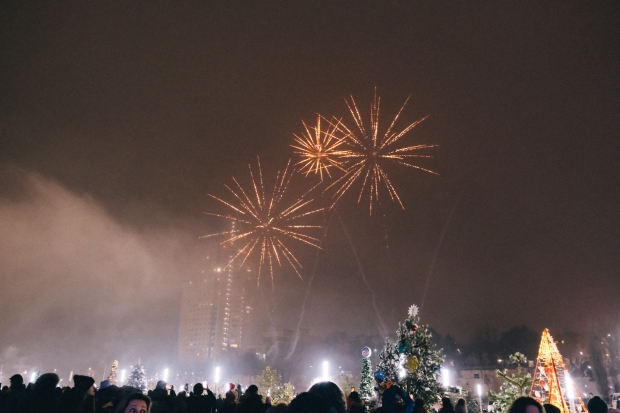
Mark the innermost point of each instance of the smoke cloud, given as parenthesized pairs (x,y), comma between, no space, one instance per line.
(78,288)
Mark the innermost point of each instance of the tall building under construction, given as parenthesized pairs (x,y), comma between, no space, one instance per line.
(214,311)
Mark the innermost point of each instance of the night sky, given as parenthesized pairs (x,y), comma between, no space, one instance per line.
(117,119)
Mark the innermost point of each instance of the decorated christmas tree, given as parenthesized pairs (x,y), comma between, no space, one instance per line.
(411,362)
(137,378)
(366,382)
(552,383)
(285,393)
(112,378)
(268,381)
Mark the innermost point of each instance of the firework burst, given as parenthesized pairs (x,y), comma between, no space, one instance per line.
(320,149)
(369,152)
(267,223)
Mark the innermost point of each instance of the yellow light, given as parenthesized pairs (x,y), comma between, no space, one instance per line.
(551,380)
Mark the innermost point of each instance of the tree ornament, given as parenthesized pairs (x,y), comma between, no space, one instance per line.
(379,376)
(412,364)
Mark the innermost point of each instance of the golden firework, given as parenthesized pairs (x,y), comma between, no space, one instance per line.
(369,152)
(267,223)
(319,149)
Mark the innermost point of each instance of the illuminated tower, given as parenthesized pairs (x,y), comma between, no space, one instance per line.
(552,383)
(213,310)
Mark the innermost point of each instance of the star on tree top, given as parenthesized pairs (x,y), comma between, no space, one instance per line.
(413,310)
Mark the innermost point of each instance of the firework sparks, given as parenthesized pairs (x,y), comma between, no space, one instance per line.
(319,149)
(368,153)
(267,223)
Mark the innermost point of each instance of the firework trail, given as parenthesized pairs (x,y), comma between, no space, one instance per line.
(267,222)
(369,152)
(303,304)
(430,271)
(382,326)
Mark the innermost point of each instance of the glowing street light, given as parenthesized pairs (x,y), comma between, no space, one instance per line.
(325,371)
(570,390)
(479,396)
(33,377)
(445,377)
(217,374)
(122,376)
(166,375)
(569,386)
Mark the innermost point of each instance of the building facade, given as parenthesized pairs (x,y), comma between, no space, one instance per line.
(214,311)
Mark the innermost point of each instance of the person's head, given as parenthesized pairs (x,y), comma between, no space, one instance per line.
(161,384)
(84,384)
(198,389)
(460,402)
(279,408)
(597,405)
(355,397)
(134,403)
(549,408)
(252,389)
(525,405)
(445,402)
(16,380)
(46,382)
(418,406)
(308,403)
(230,397)
(331,393)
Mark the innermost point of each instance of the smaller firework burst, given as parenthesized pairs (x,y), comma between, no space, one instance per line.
(320,149)
(368,152)
(267,223)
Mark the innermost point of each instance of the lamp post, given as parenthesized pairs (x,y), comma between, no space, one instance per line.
(480,397)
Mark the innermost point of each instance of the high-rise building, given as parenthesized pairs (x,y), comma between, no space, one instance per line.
(214,311)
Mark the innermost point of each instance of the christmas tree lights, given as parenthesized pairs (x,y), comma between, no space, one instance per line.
(552,383)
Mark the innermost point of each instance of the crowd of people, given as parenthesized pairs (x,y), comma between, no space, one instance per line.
(44,396)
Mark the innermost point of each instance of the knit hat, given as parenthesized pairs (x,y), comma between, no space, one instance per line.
(83,382)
